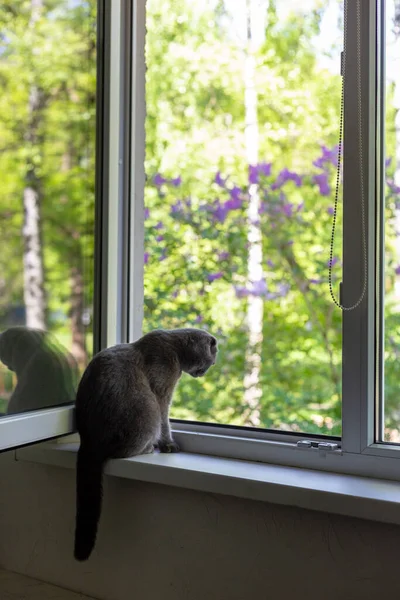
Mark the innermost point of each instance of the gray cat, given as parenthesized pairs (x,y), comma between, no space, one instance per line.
(122,410)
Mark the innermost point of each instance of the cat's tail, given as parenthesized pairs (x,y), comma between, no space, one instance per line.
(89,493)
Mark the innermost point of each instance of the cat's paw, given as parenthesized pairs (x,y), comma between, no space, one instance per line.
(168,447)
(149,449)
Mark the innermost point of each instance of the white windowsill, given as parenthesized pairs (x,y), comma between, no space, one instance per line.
(362,497)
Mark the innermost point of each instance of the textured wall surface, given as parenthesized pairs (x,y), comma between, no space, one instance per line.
(19,587)
(162,542)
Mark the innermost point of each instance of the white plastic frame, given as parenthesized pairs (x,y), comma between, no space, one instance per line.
(358,453)
(116,24)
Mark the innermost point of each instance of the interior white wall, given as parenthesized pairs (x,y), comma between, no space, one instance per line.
(162,542)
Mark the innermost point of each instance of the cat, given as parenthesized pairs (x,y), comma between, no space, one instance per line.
(122,410)
(47,374)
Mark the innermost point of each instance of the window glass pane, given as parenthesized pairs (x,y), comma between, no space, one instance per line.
(391,412)
(242,129)
(47,141)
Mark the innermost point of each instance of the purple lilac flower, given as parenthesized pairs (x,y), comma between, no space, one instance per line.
(219,180)
(300,206)
(270,263)
(198,319)
(253,174)
(163,256)
(223,255)
(146,213)
(283,290)
(397,270)
(241,291)
(330,210)
(233,204)
(159,225)
(259,288)
(146,258)
(288,209)
(322,181)
(235,193)
(333,262)
(177,207)
(319,163)
(159,179)
(176,181)
(395,189)
(255,171)
(388,162)
(213,276)
(219,211)
(316,281)
(327,156)
(175,294)
(265,169)
(284,176)
(159,238)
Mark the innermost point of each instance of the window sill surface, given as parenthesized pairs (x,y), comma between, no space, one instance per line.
(367,498)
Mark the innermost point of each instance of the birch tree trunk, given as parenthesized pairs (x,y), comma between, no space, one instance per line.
(34,293)
(252,393)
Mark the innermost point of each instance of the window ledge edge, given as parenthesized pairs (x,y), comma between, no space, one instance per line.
(348,495)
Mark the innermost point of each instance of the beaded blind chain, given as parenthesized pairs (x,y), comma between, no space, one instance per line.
(360,143)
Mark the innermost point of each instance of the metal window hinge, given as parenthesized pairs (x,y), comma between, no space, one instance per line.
(322,446)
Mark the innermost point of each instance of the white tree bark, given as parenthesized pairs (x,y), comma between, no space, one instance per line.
(34,293)
(252,393)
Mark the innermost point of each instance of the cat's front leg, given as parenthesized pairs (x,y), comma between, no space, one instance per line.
(166,444)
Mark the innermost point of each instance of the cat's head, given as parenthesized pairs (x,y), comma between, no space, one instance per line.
(198,351)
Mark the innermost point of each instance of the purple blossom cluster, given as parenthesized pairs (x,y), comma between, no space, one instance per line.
(260,289)
(219,210)
(263,168)
(322,182)
(395,189)
(328,157)
(160,180)
(214,276)
(272,203)
(281,205)
(284,176)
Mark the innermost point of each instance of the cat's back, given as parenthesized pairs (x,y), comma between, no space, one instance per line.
(113,373)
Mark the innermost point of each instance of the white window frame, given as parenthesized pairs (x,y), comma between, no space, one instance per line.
(357,452)
(121,250)
(113,143)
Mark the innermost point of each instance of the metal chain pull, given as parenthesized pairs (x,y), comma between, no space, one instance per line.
(360,140)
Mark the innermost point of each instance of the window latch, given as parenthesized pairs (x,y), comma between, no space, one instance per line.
(321,446)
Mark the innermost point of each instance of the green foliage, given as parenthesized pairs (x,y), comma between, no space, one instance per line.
(197,196)
(55,52)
